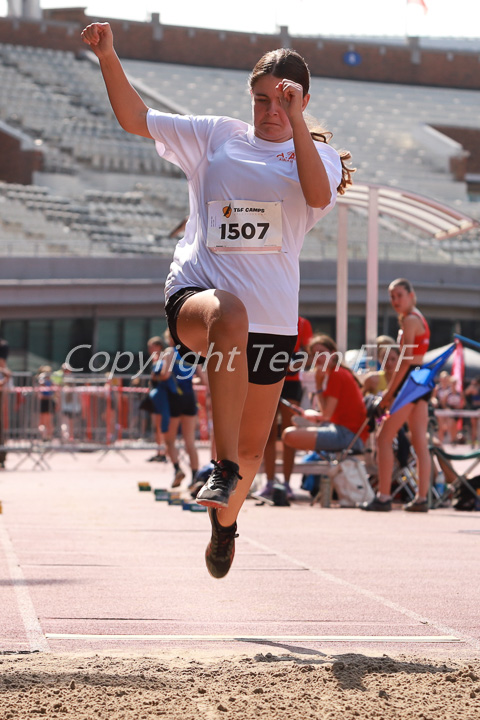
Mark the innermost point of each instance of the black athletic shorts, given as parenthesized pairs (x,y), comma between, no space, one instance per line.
(47,405)
(182,404)
(268,356)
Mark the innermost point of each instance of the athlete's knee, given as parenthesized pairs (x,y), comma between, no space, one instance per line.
(299,439)
(250,451)
(229,317)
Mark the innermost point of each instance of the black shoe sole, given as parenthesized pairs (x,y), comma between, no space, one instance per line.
(211,503)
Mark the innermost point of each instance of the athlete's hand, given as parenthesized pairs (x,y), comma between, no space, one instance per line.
(386,401)
(291,98)
(100,38)
(312,415)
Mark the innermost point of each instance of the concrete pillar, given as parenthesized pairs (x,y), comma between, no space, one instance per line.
(14,8)
(31,9)
(371,315)
(342,279)
(284,36)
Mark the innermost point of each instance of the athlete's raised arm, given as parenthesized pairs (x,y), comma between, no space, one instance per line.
(311,171)
(128,106)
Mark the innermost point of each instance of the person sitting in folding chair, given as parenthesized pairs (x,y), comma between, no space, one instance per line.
(413,339)
(342,411)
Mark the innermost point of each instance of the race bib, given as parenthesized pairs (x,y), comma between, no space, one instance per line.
(243,226)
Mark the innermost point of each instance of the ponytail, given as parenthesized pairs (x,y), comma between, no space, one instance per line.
(321,135)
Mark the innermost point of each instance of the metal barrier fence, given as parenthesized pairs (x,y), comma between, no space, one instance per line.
(93,413)
(87,414)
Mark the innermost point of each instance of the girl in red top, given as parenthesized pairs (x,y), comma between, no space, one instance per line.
(341,400)
(413,339)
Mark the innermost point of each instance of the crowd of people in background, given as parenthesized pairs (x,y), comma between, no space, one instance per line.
(330,403)
(170,403)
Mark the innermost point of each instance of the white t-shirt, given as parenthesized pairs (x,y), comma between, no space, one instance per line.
(223,160)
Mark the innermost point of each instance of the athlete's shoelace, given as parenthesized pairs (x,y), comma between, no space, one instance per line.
(223,476)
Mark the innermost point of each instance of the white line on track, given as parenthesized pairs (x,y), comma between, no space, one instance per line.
(444,629)
(33,630)
(263,638)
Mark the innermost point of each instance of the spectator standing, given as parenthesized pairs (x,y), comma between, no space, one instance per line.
(472,399)
(455,401)
(446,396)
(183,412)
(47,406)
(156,403)
(413,340)
(440,394)
(70,404)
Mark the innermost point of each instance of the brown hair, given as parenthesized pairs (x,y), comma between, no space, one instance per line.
(406,284)
(155,340)
(287,63)
(331,346)
(383,340)
(403,282)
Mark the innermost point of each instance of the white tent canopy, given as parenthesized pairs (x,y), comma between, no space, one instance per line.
(470,357)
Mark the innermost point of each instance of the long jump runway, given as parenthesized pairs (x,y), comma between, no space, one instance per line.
(90,564)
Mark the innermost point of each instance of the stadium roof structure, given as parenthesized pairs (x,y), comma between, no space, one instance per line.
(436,219)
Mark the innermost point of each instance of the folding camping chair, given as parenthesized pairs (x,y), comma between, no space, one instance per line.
(455,480)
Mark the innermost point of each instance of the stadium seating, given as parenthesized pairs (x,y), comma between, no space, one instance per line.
(60,100)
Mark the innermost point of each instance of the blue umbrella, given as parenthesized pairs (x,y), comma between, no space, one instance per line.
(421,380)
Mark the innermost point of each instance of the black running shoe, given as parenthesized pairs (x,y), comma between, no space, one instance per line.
(177,478)
(377,505)
(221,548)
(160,457)
(220,485)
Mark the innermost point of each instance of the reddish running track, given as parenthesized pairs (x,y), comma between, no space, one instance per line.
(90,564)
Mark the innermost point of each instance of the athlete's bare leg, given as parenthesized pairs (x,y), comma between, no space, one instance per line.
(270,453)
(418,424)
(189,424)
(260,408)
(288,451)
(385,457)
(216,320)
(170,438)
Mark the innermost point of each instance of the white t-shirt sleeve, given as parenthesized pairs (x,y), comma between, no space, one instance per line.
(185,139)
(180,139)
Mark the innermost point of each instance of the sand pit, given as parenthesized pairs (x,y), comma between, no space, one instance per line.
(265,685)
